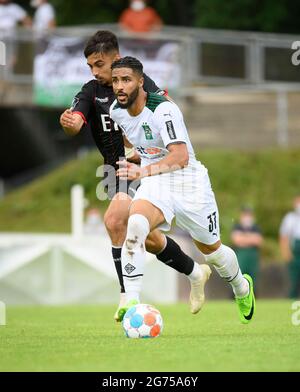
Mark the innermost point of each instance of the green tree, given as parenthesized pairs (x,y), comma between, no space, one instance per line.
(257,15)
(173,12)
(279,16)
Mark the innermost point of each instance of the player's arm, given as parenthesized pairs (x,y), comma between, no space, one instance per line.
(177,159)
(73,119)
(131,154)
(71,122)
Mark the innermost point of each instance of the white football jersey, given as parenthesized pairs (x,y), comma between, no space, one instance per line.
(158,125)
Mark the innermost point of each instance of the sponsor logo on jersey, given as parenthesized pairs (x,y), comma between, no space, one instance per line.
(148,132)
(151,152)
(171,130)
(102,100)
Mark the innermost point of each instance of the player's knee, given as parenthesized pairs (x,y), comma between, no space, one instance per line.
(208,249)
(151,246)
(219,256)
(137,231)
(155,243)
(114,223)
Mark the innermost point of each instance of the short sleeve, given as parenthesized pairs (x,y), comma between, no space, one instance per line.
(286,226)
(49,11)
(83,102)
(171,125)
(19,13)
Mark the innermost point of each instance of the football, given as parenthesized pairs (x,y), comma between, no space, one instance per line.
(142,321)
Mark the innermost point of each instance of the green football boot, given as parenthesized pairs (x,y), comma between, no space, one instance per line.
(123,309)
(121,304)
(246,304)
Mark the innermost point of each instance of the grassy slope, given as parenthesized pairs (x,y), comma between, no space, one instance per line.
(266,179)
(86,339)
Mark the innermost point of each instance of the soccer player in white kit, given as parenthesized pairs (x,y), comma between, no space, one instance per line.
(173,185)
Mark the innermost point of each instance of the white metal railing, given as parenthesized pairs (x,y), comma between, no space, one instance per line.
(279,130)
(71,268)
(252,50)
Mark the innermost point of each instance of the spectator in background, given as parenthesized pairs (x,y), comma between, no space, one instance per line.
(11,15)
(139,18)
(290,246)
(247,240)
(93,222)
(44,16)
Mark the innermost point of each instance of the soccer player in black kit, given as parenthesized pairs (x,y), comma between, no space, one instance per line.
(91,106)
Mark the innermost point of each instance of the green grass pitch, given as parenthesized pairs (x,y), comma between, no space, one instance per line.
(85,338)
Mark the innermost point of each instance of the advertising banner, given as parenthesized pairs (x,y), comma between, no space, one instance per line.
(60,67)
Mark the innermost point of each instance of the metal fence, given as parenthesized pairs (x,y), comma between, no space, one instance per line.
(242,116)
(257,105)
(211,56)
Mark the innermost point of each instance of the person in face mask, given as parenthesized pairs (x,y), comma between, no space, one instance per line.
(44,17)
(247,240)
(289,241)
(140,18)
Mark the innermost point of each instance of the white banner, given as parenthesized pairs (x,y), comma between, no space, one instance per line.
(60,67)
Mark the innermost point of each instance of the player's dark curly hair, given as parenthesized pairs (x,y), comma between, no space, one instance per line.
(101,42)
(129,62)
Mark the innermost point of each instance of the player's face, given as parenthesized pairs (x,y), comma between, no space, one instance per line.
(100,65)
(126,85)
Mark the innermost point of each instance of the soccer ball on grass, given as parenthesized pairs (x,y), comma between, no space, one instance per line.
(142,321)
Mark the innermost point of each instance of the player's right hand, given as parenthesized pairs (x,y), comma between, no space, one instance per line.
(67,119)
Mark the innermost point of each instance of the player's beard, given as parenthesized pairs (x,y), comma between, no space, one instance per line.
(131,99)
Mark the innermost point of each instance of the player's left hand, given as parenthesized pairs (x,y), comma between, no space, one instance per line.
(129,171)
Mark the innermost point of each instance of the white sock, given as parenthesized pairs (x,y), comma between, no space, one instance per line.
(196,274)
(226,264)
(132,295)
(134,255)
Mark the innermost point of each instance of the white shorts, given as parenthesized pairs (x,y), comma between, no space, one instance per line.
(192,203)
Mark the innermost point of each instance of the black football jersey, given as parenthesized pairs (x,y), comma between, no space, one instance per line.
(92,103)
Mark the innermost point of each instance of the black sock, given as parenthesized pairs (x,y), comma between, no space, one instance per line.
(175,258)
(116,253)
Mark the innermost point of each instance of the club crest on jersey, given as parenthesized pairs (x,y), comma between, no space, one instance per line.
(148,132)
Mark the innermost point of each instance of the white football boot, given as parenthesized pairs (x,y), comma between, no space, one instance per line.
(197,296)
